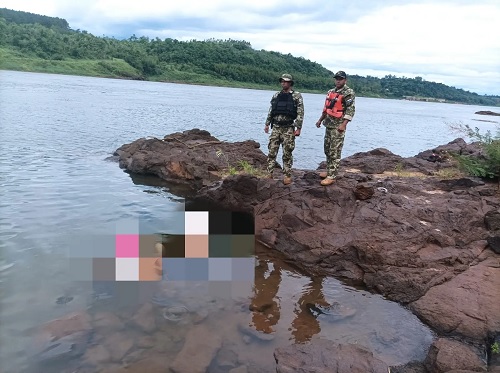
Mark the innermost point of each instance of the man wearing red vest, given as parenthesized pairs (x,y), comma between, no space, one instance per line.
(338,111)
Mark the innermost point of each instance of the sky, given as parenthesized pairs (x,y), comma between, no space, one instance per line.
(454,42)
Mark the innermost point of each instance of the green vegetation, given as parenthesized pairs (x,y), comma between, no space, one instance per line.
(495,348)
(30,42)
(487,165)
(243,166)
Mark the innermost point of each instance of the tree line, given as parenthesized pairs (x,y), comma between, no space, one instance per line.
(35,36)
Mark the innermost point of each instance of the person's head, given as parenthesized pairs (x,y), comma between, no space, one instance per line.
(340,79)
(286,81)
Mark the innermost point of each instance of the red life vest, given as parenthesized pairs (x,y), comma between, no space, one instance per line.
(333,105)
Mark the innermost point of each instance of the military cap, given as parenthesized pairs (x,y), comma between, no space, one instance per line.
(286,78)
(340,74)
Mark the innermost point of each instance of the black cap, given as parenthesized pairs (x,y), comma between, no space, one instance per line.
(340,74)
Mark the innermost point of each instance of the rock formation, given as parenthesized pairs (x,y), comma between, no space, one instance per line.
(390,223)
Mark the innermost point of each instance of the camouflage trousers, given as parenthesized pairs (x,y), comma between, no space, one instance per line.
(334,141)
(281,136)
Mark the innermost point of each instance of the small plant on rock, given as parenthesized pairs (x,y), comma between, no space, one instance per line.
(495,348)
(486,166)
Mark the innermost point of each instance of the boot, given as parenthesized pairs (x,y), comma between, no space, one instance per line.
(327,181)
(287,180)
(323,174)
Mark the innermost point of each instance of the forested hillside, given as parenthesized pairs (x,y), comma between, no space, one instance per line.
(31,42)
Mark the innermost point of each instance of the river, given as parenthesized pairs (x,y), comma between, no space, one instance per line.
(59,192)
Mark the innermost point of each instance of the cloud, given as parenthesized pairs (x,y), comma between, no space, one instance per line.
(452,41)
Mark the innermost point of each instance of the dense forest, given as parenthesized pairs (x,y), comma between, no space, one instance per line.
(32,42)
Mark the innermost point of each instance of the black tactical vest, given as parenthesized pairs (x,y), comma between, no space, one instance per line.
(285,105)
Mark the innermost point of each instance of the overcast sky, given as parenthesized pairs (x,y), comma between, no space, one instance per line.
(455,42)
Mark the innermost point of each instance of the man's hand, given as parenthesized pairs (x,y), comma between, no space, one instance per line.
(343,126)
(266,129)
(297,132)
(318,123)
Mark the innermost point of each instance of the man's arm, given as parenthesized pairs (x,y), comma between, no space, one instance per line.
(349,100)
(299,101)
(323,114)
(269,115)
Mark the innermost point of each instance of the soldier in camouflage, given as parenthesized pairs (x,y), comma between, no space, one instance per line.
(338,111)
(285,117)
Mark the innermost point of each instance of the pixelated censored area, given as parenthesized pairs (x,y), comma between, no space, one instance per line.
(212,246)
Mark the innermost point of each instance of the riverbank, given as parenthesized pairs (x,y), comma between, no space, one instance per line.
(116,69)
(424,236)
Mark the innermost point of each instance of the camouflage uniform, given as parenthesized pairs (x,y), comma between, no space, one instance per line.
(334,140)
(284,134)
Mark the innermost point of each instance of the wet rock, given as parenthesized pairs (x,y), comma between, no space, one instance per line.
(62,338)
(226,358)
(144,319)
(64,300)
(199,316)
(420,241)
(240,369)
(156,364)
(411,367)
(107,322)
(252,333)
(486,112)
(333,313)
(323,356)
(65,348)
(97,355)
(146,341)
(118,344)
(72,323)
(200,347)
(446,355)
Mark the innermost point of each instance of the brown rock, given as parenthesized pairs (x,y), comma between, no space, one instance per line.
(467,304)
(240,369)
(156,364)
(363,192)
(200,347)
(62,338)
(106,322)
(70,324)
(416,240)
(145,318)
(189,157)
(118,344)
(97,355)
(323,356)
(446,354)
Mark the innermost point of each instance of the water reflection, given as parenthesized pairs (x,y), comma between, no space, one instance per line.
(305,324)
(265,304)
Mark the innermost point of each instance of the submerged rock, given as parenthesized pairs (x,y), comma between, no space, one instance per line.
(323,356)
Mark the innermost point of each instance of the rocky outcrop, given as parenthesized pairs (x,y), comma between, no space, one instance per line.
(487,112)
(193,157)
(447,355)
(389,223)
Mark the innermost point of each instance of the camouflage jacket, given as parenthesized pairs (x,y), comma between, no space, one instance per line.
(299,102)
(348,104)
